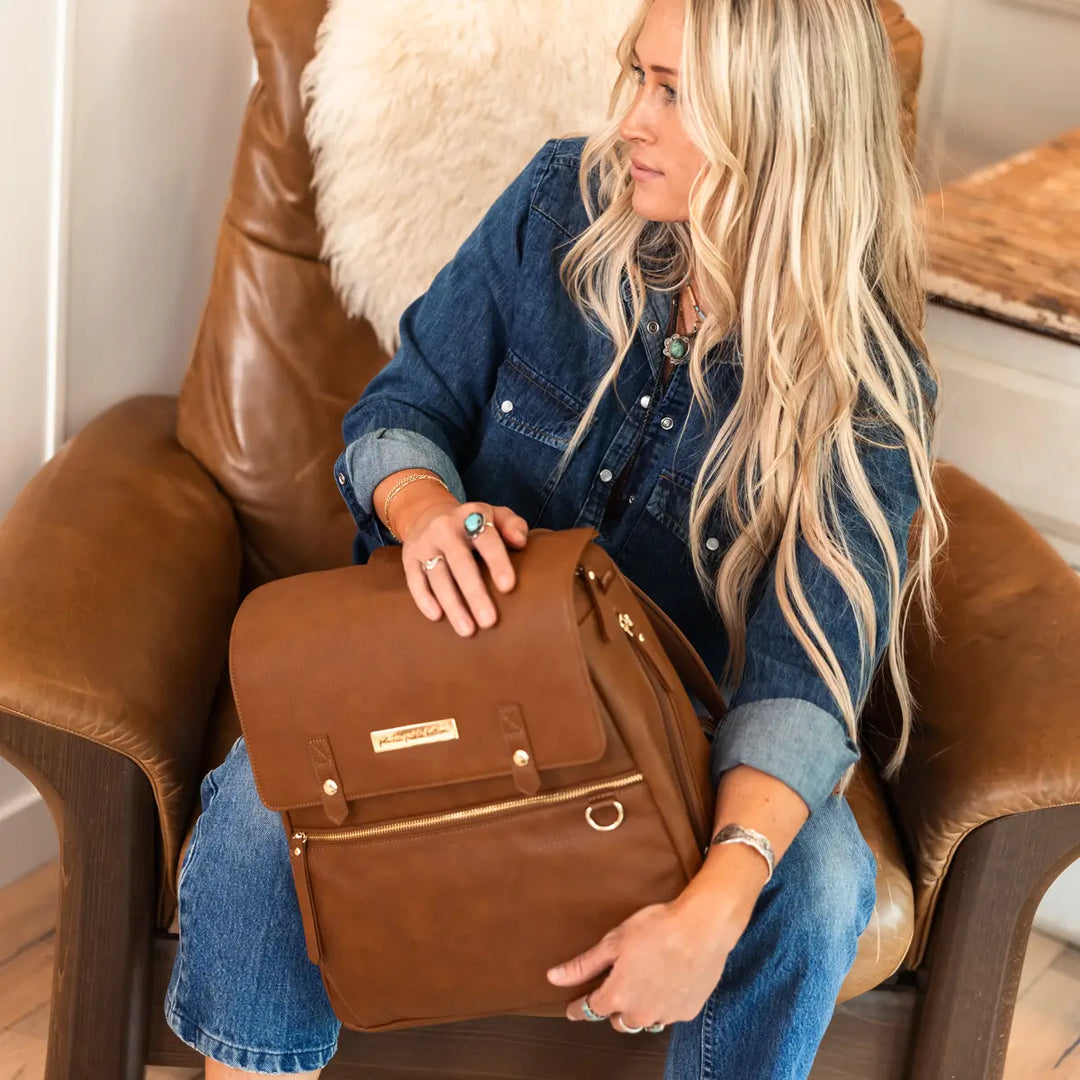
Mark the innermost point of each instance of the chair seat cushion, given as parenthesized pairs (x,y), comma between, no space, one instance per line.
(885,940)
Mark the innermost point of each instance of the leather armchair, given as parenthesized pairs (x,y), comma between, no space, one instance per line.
(125,558)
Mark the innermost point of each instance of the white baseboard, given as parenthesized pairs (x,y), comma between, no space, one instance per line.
(28,837)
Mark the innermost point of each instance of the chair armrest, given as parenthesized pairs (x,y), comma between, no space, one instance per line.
(996,729)
(119,579)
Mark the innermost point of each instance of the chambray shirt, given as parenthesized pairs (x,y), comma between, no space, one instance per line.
(495,366)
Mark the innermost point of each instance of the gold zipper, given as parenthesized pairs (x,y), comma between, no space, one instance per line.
(389,828)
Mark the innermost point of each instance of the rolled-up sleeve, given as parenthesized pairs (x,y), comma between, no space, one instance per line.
(421,409)
(783,719)
(368,460)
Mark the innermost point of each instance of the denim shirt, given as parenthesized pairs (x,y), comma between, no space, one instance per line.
(496,365)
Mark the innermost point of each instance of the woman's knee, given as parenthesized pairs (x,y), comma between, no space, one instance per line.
(235,828)
(825,883)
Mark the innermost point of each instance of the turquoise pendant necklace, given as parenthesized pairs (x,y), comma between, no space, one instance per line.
(677,346)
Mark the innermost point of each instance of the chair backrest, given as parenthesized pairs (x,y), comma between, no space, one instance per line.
(277,361)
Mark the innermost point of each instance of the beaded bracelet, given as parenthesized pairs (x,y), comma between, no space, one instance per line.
(397,487)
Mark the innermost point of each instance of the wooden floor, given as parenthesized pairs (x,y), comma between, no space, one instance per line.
(1045,1042)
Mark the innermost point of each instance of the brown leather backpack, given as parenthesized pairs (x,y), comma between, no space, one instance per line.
(463,813)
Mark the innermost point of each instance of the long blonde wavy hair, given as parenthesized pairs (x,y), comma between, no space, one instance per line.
(804,235)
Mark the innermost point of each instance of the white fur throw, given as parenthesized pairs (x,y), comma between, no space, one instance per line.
(419,114)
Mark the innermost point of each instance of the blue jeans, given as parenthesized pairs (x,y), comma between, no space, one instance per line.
(244,992)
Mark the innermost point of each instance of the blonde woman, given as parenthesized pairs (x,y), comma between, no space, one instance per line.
(698,330)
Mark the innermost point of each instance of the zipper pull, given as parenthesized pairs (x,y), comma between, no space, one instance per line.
(298,850)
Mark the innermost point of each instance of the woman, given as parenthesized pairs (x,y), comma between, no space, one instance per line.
(698,330)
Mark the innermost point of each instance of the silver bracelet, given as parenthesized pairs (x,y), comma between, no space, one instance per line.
(740,834)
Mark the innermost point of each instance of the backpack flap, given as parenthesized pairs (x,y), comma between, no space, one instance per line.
(344,689)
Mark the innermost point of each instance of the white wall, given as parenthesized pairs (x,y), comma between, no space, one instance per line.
(27,64)
(119,122)
(28,53)
(161,88)
(999,76)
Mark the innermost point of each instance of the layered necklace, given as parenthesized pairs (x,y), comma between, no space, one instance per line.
(677,346)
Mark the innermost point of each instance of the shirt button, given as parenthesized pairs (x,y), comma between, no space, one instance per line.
(506,406)
(645,401)
(667,423)
(605,475)
(341,478)
(652,326)
(632,498)
(712,543)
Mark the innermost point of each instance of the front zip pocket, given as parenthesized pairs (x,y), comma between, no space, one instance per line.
(472,813)
(460,913)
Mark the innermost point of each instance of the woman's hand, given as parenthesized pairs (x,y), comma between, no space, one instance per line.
(456,579)
(665,961)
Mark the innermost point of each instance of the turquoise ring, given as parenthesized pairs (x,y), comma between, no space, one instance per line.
(475,524)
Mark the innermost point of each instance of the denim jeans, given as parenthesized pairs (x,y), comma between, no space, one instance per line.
(244,992)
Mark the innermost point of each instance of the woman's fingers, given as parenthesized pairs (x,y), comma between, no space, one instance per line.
(416,577)
(441,580)
(455,585)
(466,572)
(491,547)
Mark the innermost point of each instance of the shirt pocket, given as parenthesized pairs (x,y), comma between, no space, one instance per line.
(669,503)
(528,425)
(532,405)
(668,506)
(656,556)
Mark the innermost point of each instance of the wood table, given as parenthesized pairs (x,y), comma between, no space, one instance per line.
(1005,241)
(1003,324)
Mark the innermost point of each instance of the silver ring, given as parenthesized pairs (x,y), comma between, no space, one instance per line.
(587,1008)
(430,564)
(628,1028)
(655,1027)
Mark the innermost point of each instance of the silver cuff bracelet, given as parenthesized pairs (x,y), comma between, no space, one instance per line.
(740,834)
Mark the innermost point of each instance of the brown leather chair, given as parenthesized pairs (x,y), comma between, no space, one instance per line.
(123,562)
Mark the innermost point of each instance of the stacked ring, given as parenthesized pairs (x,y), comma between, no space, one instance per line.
(587,1009)
(430,564)
(591,1014)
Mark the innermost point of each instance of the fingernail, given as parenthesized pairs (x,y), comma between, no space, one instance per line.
(555,972)
(505,582)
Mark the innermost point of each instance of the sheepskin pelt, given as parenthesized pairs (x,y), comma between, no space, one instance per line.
(420,113)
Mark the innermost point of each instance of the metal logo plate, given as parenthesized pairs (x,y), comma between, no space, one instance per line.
(400,738)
